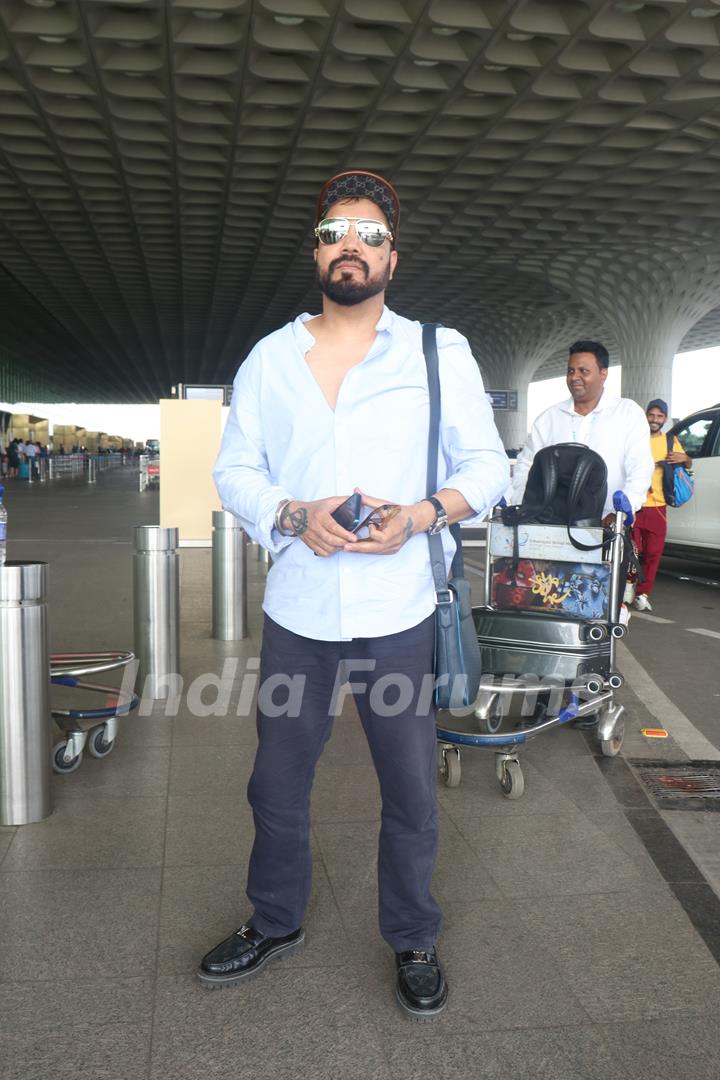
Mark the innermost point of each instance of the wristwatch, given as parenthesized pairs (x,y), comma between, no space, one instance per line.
(441,519)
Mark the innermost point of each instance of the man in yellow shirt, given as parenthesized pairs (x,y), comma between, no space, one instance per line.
(650,528)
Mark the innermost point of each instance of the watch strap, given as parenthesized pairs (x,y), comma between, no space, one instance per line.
(440,510)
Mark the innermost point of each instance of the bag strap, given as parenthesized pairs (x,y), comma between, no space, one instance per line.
(525,512)
(549,473)
(437,554)
(581,473)
(670,443)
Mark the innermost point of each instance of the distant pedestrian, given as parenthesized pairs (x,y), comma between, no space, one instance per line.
(31,452)
(650,528)
(13,456)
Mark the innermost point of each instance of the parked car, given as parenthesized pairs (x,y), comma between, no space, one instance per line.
(694,529)
(152,446)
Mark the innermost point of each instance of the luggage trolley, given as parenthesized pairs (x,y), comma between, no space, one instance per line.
(547,630)
(97,727)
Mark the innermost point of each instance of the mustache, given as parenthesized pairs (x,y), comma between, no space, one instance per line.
(354,259)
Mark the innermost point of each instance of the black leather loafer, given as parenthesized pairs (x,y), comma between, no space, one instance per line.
(243,955)
(421,987)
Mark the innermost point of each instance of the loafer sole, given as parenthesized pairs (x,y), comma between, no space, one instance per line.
(422,1016)
(217,982)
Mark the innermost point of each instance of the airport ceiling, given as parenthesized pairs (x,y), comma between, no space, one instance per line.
(160,161)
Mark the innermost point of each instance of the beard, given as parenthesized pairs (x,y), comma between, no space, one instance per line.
(347,290)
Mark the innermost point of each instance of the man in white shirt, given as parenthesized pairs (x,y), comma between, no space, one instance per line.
(30,456)
(320,408)
(614,427)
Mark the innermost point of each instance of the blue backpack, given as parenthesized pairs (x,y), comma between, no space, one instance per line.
(678,484)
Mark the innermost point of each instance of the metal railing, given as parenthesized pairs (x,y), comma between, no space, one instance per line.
(64,465)
(103,462)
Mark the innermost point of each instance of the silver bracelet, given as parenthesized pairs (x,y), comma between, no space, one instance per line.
(282,507)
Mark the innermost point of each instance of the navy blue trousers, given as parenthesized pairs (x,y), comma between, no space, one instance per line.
(404,754)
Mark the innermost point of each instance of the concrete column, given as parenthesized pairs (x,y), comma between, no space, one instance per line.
(647,359)
(649,303)
(512,350)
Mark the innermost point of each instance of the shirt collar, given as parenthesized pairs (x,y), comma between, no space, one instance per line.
(301,331)
(605,402)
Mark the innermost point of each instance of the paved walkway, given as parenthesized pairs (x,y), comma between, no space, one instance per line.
(581,940)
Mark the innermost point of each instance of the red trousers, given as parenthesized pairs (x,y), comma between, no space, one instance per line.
(649,532)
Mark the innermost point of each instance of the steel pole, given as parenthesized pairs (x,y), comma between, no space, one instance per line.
(156,591)
(92,470)
(25,728)
(229,577)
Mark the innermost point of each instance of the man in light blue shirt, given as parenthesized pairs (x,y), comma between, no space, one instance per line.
(322,408)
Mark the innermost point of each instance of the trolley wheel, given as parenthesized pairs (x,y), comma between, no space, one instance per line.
(492,723)
(512,781)
(611,747)
(98,746)
(58,762)
(451,767)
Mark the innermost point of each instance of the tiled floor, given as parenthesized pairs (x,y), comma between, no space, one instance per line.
(568,952)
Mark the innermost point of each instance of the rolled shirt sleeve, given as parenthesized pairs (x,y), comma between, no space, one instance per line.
(472,452)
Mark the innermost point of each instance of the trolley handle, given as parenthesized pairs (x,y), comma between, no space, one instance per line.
(621,505)
(77,664)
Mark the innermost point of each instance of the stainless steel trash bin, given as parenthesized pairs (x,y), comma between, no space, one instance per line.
(25,724)
(156,593)
(229,577)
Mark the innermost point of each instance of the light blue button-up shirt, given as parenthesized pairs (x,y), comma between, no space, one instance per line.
(283,441)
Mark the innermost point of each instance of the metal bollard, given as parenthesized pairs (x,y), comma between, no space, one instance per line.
(51,468)
(229,577)
(25,730)
(156,592)
(92,470)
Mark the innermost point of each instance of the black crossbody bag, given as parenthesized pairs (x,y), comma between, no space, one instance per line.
(457,653)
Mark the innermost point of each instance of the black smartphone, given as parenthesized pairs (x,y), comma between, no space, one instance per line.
(348,513)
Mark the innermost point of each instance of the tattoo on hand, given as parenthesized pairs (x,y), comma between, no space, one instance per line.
(299,521)
(408,530)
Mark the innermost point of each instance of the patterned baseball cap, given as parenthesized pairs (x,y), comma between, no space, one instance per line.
(360,184)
